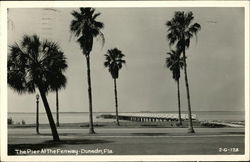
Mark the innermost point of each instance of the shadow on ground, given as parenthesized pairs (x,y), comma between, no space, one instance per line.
(185,134)
(13,148)
(64,134)
(149,134)
(235,132)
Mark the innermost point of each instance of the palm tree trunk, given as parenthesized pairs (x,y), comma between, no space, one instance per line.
(91,127)
(116,103)
(190,126)
(49,115)
(57,109)
(179,102)
(37,116)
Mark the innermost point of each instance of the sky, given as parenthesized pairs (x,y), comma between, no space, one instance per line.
(215,60)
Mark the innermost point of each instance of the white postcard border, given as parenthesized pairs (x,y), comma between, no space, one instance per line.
(67,4)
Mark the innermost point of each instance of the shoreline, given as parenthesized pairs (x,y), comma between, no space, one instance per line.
(30,118)
(132,124)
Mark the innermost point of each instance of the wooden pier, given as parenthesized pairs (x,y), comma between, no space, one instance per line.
(148,117)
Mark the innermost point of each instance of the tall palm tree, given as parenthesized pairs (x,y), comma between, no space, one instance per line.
(175,63)
(60,82)
(114,61)
(180,31)
(85,27)
(33,64)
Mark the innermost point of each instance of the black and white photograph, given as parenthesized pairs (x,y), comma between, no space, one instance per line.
(95,80)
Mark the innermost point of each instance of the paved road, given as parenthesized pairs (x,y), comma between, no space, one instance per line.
(128,141)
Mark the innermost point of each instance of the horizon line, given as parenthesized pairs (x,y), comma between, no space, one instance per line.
(124,112)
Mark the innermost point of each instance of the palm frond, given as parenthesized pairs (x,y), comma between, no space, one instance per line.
(114,61)
(174,63)
(35,63)
(85,28)
(102,38)
(181,30)
(75,27)
(96,15)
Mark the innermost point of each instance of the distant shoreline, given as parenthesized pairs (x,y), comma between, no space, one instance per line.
(140,111)
(130,124)
(83,117)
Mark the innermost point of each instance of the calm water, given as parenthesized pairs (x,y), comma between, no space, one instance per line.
(78,117)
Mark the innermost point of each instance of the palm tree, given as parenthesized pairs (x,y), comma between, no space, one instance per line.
(85,28)
(180,31)
(114,61)
(33,64)
(175,63)
(60,82)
